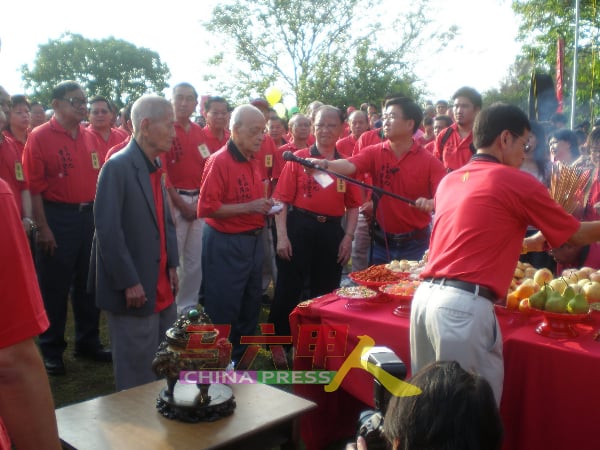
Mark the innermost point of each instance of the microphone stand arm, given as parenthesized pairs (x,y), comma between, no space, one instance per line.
(375,189)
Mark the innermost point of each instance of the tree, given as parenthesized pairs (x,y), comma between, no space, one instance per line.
(319,49)
(514,89)
(109,67)
(543,22)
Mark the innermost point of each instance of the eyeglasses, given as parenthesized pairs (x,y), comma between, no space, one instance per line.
(76,102)
(526,147)
(391,116)
(96,112)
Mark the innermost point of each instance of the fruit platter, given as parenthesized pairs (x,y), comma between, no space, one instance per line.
(403,292)
(359,297)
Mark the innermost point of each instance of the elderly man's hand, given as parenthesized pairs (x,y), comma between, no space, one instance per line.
(260,206)
(135,296)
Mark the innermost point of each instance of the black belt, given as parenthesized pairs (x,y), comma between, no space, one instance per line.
(255,232)
(381,236)
(88,206)
(319,217)
(466,286)
(188,193)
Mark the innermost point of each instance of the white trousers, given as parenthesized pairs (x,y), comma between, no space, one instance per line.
(189,244)
(450,324)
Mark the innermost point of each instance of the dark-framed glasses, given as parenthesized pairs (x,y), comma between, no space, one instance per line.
(76,102)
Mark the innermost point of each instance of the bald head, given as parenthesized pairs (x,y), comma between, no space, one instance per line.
(247,129)
(153,122)
(148,107)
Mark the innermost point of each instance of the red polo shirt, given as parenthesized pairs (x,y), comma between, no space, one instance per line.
(482,211)
(415,174)
(230,178)
(115,137)
(457,151)
(17,143)
(346,145)
(279,162)
(367,139)
(212,142)
(185,161)
(266,156)
(11,170)
(297,188)
(59,167)
(117,148)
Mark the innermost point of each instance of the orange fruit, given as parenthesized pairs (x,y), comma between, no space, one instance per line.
(512,300)
(524,305)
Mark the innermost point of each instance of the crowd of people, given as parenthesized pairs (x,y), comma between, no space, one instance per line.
(146,213)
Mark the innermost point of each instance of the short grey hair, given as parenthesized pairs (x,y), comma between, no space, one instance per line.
(297,117)
(239,112)
(149,106)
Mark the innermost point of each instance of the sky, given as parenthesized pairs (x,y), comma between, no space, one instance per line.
(479,57)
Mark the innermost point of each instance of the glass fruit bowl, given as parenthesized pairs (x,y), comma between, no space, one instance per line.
(559,325)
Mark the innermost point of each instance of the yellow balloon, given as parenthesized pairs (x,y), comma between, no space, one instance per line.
(273,95)
(280,109)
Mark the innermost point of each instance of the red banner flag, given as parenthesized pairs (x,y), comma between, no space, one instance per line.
(560,57)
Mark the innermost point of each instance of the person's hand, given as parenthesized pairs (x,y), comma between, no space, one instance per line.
(361,444)
(366,209)
(284,248)
(424,204)
(45,240)
(135,296)
(174,280)
(345,250)
(188,211)
(260,206)
(28,226)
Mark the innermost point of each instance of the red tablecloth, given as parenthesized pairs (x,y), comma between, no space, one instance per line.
(551,397)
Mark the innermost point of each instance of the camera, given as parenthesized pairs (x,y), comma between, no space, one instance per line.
(370,422)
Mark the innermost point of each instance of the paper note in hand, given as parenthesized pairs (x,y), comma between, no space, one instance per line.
(323,179)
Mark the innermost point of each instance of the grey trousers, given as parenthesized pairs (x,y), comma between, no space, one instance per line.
(134,341)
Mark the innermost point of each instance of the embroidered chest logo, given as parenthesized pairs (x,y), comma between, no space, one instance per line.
(176,151)
(386,174)
(310,187)
(243,189)
(66,161)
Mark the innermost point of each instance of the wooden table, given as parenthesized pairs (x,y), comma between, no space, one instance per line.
(264,416)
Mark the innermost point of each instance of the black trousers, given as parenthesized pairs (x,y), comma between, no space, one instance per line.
(314,258)
(67,271)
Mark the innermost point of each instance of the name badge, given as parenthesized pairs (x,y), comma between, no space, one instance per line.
(95,160)
(204,151)
(19,171)
(268,160)
(341,185)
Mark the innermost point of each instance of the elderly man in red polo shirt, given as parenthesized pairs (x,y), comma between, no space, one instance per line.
(233,203)
(399,165)
(185,163)
(312,245)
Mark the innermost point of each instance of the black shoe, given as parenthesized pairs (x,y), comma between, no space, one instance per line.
(99,355)
(54,366)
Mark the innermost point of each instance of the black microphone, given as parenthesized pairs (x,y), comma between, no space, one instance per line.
(289,156)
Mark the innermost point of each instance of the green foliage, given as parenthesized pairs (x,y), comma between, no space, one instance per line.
(542,23)
(109,67)
(319,49)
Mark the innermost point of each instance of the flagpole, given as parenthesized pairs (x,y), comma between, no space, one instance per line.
(574,85)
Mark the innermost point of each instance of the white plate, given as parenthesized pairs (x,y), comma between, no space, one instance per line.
(275,209)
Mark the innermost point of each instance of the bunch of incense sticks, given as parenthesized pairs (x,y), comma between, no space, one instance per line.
(570,186)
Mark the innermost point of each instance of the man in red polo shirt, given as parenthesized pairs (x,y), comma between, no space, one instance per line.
(454,145)
(482,211)
(312,245)
(233,203)
(62,164)
(300,128)
(359,123)
(185,163)
(101,118)
(215,131)
(403,167)
(135,251)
